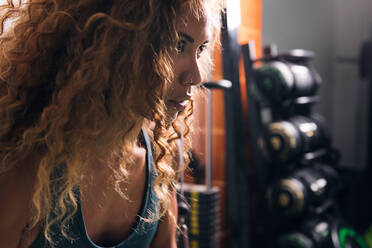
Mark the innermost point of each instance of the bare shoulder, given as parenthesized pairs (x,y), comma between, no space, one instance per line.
(16,190)
(166,234)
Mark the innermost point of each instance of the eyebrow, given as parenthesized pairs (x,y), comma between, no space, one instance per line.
(189,38)
(186,36)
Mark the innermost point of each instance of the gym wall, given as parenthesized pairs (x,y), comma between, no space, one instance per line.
(334,30)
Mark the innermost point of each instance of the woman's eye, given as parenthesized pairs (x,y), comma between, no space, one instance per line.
(201,50)
(180,47)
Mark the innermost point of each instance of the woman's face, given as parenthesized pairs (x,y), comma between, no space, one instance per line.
(194,37)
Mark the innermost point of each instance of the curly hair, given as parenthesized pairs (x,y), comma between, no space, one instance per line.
(71,72)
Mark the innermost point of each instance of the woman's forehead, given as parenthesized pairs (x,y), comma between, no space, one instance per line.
(197,26)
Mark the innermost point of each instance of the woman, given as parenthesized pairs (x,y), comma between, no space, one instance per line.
(86,87)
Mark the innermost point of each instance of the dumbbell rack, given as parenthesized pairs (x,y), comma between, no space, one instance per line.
(267,224)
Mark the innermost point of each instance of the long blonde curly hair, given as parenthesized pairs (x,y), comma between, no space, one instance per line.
(71,73)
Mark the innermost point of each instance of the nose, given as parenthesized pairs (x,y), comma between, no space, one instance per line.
(193,75)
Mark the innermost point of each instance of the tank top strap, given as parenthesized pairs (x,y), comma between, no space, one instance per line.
(152,174)
(151,169)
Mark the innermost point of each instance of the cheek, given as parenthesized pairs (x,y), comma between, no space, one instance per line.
(174,89)
(177,67)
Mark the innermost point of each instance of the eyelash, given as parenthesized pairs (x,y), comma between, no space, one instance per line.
(180,47)
(201,50)
(181,44)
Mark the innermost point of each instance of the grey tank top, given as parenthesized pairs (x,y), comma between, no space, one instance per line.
(142,232)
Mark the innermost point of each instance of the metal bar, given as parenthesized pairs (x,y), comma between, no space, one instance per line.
(181,158)
(208,142)
(237,192)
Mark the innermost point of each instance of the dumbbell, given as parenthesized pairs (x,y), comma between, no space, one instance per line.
(321,233)
(285,77)
(286,140)
(305,188)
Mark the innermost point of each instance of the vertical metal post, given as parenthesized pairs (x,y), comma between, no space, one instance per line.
(181,158)
(237,185)
(208,141)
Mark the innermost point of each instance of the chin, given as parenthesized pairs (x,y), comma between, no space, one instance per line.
(171,117)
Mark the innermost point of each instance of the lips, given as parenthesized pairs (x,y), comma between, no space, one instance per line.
(180,105)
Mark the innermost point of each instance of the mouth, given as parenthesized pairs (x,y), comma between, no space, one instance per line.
(180,105)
